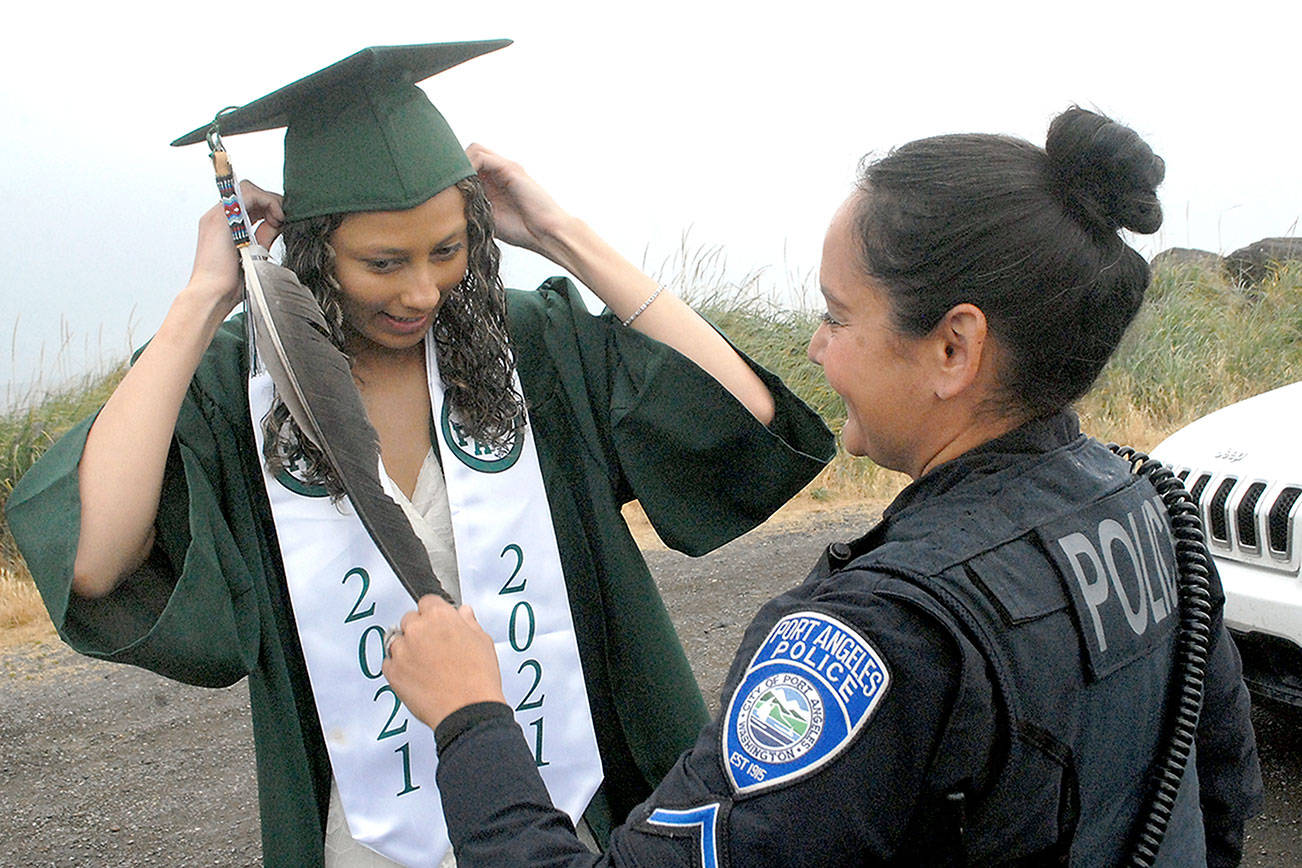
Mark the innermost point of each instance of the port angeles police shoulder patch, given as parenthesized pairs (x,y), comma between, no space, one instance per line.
(809,689)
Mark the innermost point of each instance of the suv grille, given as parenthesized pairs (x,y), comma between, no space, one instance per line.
(1245,517)
(1249,520)
(1219,523)
(1279,518)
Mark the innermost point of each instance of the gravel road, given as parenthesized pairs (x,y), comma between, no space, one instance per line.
(110,765)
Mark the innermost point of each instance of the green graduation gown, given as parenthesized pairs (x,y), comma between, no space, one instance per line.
(616,416)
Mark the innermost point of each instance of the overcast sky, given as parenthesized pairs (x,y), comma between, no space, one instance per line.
(739,124)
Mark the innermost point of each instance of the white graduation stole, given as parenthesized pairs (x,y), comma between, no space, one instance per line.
(345,595)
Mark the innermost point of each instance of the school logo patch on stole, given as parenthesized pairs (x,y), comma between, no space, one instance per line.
(293,477)
(809,689)
(476,455)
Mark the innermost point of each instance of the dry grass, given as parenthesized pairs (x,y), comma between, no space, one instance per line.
(852,480)
(22,614)
(1130,428)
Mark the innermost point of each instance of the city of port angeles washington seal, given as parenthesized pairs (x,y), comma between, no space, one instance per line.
(808,691)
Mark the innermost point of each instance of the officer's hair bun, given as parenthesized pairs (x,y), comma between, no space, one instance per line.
(1105,174)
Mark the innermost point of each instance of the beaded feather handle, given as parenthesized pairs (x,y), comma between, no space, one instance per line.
(228,189)
(237,220)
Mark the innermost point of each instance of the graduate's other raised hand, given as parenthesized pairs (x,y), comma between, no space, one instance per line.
(216,272)
(524,213)
(441,661)
(528,217)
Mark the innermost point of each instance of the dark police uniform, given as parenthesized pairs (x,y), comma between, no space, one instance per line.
(982,678)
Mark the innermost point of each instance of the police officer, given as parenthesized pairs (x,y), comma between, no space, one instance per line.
(983,677)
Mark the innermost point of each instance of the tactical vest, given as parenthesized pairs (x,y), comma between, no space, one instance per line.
(1060,569)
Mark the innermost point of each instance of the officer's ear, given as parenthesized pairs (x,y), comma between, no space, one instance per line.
(962,357)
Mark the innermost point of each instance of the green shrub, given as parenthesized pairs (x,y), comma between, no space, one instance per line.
(1198,344)
(28,430)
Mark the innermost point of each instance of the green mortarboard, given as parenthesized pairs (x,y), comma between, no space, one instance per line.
(360,136)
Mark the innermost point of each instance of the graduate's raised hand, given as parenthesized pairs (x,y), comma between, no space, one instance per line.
(120,476)
(524,213)
(442,660)
(216,271)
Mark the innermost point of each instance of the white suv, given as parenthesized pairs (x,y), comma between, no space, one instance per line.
(1243,465)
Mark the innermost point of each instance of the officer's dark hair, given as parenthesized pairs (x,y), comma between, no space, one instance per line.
(1029,235)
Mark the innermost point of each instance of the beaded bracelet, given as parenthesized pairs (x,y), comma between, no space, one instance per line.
(650,298)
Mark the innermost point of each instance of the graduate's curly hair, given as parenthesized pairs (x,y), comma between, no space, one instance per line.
(470,335)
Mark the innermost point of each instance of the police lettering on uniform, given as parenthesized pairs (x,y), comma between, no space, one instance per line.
(985,676)
(1115,548)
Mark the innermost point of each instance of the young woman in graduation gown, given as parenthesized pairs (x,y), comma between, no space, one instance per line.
(986,676)
(148,527)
